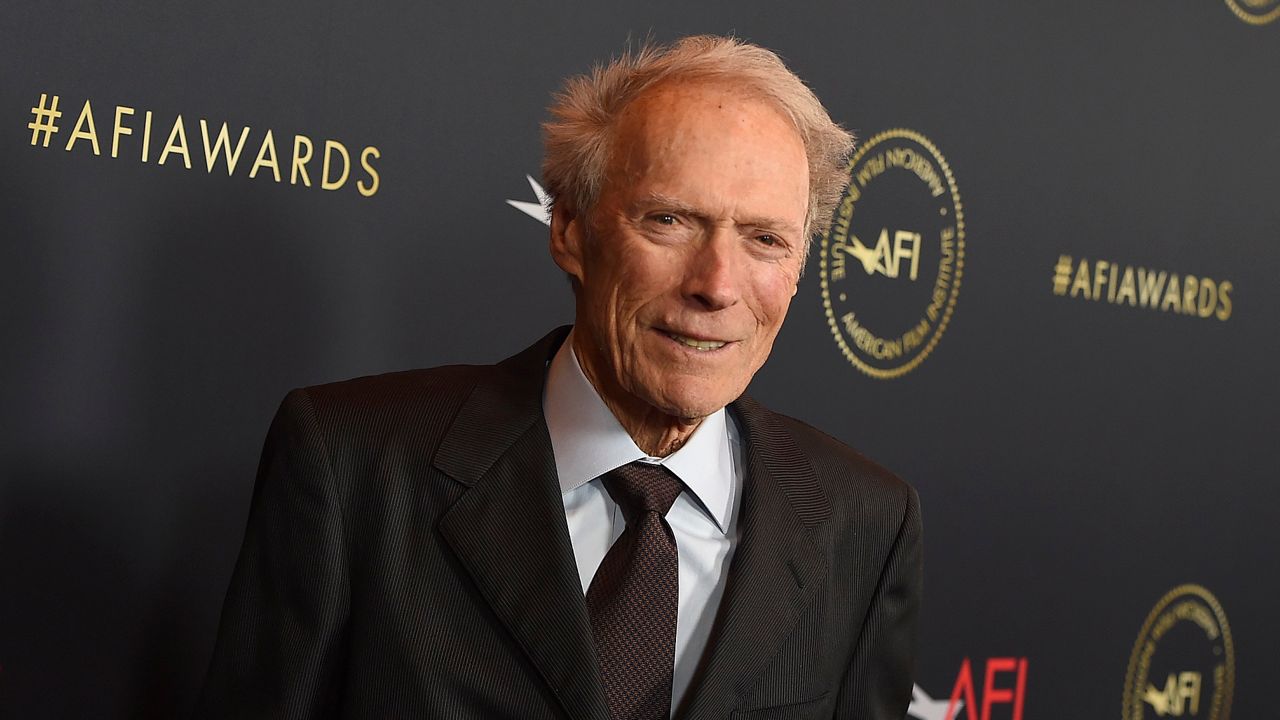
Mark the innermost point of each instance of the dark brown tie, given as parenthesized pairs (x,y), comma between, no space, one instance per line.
(634,596)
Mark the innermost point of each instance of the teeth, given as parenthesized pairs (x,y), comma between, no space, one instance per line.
(697,344)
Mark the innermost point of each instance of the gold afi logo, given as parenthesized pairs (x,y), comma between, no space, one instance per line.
(1180,694)
(885,258)
(1183,664)
(1255,12)
(892,259)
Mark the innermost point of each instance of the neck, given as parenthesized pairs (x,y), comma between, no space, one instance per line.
(656,433)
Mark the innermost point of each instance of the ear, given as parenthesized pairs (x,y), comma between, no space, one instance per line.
(567,234)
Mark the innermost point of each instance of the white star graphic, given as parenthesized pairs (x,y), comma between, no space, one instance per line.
(926,708)
(540,210)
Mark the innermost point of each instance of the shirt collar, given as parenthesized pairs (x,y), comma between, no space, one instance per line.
(588,441)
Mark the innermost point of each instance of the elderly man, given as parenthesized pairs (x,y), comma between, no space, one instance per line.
(601,526)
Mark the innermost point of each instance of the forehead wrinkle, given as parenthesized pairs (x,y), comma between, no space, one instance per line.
(650,150)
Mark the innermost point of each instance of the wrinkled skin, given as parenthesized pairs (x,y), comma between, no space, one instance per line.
(696,237)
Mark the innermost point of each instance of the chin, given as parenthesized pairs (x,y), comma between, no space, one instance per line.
(694,405)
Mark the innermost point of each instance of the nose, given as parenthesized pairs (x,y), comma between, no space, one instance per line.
(712,276)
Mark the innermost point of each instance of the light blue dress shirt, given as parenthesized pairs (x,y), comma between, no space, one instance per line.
(588,442)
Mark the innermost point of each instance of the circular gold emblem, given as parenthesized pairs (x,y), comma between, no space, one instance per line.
(1183,664)
(893,257)
(1255,12)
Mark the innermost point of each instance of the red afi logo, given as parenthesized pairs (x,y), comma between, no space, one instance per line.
(964,696)
(991,695)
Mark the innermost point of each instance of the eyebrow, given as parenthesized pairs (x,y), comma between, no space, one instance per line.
(761,221)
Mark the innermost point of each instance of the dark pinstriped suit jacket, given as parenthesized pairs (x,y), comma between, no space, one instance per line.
(407,557)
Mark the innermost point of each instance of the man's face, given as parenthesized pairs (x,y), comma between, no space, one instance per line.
(689,260)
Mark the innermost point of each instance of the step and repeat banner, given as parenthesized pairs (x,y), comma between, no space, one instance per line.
(1048,299)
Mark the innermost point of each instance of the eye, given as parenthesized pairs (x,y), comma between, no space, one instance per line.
(666,219)
(768,240)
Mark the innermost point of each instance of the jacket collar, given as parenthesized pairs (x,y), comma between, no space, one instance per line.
(508,530)
(776,568)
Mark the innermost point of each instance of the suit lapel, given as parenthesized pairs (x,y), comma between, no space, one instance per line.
(778,561)
(508,528)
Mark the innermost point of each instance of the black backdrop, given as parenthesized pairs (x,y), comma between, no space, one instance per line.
(1077,458)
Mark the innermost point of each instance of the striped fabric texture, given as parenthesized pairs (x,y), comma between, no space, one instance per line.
(406,556)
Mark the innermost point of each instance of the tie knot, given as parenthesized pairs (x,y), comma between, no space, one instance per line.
(640,487)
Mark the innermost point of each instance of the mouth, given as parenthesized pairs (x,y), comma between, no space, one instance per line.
(695,343)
